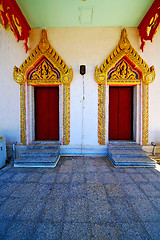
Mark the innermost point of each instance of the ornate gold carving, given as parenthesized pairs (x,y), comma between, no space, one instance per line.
(67,78)
(23,113)
(44,71)
(100,76)
(44,75)
(124,49)
(101,114)
(150,77)
(18,76)
(44,43)
(66,114)
(123,71)
(44,49)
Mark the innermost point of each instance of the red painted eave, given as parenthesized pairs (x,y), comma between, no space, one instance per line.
(11,14)
(150,23)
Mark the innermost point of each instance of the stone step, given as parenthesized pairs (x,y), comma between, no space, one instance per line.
(35,159)
(40,146)
(122,142)
(37,155)
(40,152)
(133,161)
(124,146)
(36,162)
(123,153)
(20,150)
(129,155)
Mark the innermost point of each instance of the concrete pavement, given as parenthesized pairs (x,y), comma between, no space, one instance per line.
(82,198)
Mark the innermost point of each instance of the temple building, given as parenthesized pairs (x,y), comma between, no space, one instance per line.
(80,85)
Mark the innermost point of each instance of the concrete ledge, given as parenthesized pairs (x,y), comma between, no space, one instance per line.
(83,150)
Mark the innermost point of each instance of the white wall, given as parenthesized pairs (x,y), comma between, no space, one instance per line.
(152,57)
(76,46)
(11,54)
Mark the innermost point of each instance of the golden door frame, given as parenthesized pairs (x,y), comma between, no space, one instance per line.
(44,67)
(116,70)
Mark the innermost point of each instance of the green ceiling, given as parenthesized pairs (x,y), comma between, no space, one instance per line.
(89,13)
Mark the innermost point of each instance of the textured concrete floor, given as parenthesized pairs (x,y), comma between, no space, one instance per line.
(82,198)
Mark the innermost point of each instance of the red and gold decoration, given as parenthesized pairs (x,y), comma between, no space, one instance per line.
(126,70)
(44,67)
(123,67)
(12,16)
(150,23)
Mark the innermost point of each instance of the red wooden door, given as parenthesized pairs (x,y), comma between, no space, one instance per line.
(47,113)
(120,113)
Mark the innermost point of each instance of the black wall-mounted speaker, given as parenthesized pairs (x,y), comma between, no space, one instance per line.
(82,69)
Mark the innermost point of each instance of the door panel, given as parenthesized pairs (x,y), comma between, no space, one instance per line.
(113,113)
(125,113)
(54,113)
(47,113)
(120,113)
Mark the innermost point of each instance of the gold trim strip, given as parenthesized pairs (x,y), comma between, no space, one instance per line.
(145,113)
(102,114)
(66,114)
(23,113)
(42,82)
(123,82)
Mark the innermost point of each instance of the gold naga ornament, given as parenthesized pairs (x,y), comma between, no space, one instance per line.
(123,67)
(44,67)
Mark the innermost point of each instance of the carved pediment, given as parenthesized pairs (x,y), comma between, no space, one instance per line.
(124,69)
(43,66)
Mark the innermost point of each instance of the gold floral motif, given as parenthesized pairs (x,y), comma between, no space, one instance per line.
(101,114)
(44,75)
(125,77)
(44,71)
(123,71)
